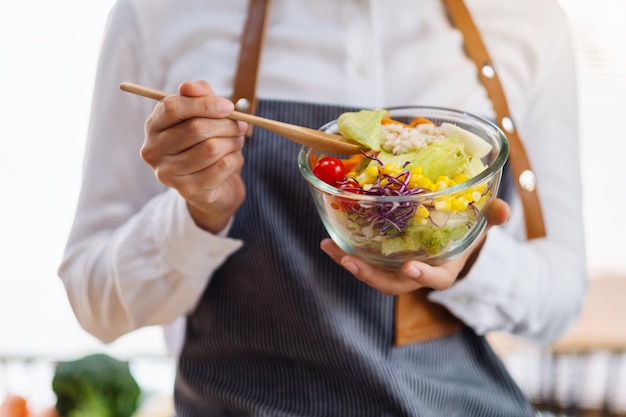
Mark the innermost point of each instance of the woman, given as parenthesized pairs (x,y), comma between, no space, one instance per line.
(217,233)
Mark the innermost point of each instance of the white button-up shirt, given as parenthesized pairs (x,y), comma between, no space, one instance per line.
(136,258)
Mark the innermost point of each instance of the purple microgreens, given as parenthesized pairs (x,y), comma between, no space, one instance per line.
(373,157)
(387,217)
(475,209)
(350,184)
(487,189)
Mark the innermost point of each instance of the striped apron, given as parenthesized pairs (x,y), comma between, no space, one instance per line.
(281,330)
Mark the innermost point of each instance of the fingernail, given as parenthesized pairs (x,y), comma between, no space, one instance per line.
(413,272)
(225,106)
(243,127)
(350,266)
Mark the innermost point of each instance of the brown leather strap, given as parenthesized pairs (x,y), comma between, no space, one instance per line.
(418,320)
(522,172)
(244,89)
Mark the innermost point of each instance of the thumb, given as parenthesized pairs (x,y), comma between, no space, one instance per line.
(195,89)
(498,212)
(202,88)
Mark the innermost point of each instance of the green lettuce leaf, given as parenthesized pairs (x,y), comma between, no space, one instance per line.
(363,127)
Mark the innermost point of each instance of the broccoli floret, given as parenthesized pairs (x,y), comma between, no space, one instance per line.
(95,386)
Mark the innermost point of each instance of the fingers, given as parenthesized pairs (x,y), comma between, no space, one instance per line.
(413,275)
(195,89)
(184,135)
(191,146)
(196,99)
(175,109)
(387,282)
(200,156)
(438,277)
(212,158)
(498,212)
(207,186)
(189,133)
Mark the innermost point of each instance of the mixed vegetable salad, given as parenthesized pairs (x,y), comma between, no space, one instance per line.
(413,158)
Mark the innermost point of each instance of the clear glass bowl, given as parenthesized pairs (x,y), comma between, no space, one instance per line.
(352,219)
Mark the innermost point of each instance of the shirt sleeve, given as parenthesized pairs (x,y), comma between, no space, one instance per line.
(535,289)
(134,256)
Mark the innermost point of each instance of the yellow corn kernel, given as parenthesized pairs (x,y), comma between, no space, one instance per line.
(459,178)
(371,174)
(443,204)
(351,174)
(458,204)
(442,178)
(421,221)
(417,171)
(467,196)
(424,182)
(441,185)
(421,212)
(391,169)
(415,180)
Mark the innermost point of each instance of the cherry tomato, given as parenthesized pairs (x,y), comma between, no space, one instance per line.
(330,170)
(351,186)
(347,204)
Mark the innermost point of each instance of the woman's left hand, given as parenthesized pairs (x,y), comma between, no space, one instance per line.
(413,274)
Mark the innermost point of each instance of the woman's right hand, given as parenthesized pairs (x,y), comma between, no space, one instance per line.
(193,148)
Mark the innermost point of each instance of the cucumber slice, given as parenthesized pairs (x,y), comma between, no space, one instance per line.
(474,144)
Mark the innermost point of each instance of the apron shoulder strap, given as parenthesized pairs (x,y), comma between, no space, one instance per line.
(244,89)
(523,175)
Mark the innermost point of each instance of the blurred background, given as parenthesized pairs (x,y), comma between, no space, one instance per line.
(49,52)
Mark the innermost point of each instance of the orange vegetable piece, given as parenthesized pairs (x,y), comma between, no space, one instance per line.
(312,159)
(351,163)
(419,120)
(14,406)
(388,120)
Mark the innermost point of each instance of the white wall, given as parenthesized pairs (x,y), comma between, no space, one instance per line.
(599,33)
(49,52)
